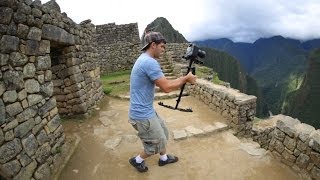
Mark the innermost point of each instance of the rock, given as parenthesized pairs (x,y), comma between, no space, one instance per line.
(192,131)
(130,138)
(112,143)
(105,121)
(253,148)
(179,134)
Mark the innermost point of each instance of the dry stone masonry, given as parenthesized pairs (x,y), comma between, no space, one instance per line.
(118,46)
(48,68)
(296,144)
(238,108)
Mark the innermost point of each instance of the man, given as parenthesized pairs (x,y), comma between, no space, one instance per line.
(145,74)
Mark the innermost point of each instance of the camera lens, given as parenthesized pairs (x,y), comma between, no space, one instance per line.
(201,53)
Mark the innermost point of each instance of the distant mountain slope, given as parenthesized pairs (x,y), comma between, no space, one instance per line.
(230,70)
(273,62)
(304,103)
(163,26)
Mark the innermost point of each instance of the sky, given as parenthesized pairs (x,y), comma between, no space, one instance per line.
(238,20)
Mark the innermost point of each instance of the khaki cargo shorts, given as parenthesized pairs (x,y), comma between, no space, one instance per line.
(153,134)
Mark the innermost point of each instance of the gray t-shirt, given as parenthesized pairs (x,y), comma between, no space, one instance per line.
(144,72)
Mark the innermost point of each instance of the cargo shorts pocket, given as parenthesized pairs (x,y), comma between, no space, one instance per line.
(151,146)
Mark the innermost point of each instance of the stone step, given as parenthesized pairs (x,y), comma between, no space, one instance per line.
(166,66)
(170,95)
(167,70)
(170,76)
(165,63)
(191,131)
(160,95)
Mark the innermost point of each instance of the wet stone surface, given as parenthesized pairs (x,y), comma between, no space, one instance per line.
(108,141)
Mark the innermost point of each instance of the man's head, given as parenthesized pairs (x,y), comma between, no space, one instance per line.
(151,37)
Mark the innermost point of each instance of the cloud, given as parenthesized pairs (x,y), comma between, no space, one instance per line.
(238,20)
(248,20)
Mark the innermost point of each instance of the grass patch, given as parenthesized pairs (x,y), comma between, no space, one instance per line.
(117,83)
(205,73)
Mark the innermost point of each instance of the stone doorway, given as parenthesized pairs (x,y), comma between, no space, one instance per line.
(58,68)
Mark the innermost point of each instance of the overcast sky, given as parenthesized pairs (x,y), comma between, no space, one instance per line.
(238,20)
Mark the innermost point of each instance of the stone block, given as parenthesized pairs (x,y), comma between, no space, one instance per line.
(50,104)
(303,161)
(32,86)
(29,70)
(27,114)
(9,44)
(14,109)
(53,123)
(26,172)
(192,131)
(54,33)
(315,173)
(43,172)
(9,136)
(304,131)
(43,63)
(9,150)
(287,125)
(43,153)
(13,80)
(11,168)
(23,128)
(17,59)
(34,34)
(10,96)
(6,14)
(4,58)
(179,134)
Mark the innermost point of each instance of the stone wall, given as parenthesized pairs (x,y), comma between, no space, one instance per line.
(294,143)
(118,46)
(48,67)
(238,108)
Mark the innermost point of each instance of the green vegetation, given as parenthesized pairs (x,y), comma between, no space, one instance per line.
(116,83)
(205,73)
(227,69)
(304,102)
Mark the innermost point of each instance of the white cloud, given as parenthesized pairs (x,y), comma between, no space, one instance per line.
(239,20)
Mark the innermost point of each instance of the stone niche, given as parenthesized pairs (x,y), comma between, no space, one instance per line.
(48,69)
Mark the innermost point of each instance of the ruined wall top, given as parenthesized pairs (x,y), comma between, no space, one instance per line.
(112,33)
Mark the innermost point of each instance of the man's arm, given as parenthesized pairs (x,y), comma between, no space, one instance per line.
(170,85)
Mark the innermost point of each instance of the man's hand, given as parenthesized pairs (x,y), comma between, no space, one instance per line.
(191,78)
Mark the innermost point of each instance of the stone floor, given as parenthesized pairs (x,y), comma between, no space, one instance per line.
(207,149)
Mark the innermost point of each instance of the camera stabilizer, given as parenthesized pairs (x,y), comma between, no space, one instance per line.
(191,54)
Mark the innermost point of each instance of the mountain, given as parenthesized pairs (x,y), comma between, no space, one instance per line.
(304,103)
(311,44)
(230,70)
(275,63)
(163,26)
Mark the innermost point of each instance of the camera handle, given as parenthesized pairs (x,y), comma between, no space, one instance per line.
(190,68)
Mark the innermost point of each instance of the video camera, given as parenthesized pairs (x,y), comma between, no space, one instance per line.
(193,52)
